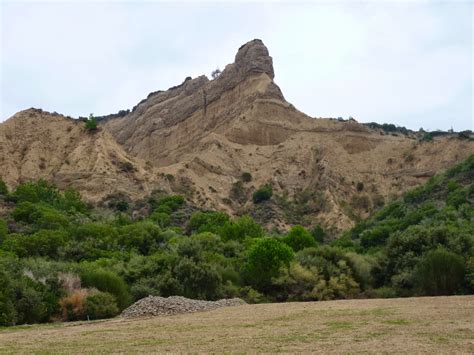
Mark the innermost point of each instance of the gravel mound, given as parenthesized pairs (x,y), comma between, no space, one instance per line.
(160,306)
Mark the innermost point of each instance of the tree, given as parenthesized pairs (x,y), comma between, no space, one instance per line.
(299,238)
(265,259)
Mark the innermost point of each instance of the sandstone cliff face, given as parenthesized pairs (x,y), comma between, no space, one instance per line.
(199,137)
(37,144)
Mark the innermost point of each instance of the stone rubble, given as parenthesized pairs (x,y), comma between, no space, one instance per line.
(161,306)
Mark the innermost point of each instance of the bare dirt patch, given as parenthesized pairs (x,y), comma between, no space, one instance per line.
(429,325)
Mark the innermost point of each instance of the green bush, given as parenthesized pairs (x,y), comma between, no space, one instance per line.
(207,222)
(318,234)
(264,261)
(3,188)
(7,308)
(144,237)
(107,281)
(161,218)
(91,123)
(40,215)
(3,230)
(264,193)
(299,238)
(100,305)
(440,272)
(240,229)
(43,243)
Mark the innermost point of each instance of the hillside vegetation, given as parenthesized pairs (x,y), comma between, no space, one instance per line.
(62,259)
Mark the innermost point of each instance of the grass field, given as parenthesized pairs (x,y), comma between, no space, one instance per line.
(431,325)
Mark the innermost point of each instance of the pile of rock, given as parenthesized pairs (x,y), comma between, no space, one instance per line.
(160,306)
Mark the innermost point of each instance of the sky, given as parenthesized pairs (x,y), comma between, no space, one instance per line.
(403,62)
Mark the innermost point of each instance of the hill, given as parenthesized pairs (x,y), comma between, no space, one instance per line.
(201,138)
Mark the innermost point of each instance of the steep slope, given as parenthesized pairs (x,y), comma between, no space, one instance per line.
(37,144)
(207,133)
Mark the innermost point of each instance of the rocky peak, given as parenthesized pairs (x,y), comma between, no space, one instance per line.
(253,57)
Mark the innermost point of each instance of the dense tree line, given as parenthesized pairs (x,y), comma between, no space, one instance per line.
(61,259)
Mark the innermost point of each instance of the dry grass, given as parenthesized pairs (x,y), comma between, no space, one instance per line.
(430,325)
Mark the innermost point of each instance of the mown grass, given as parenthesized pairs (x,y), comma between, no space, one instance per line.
(442,324)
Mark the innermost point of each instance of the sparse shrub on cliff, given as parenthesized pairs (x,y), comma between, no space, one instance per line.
(91,123)
(264,193)
(246,177)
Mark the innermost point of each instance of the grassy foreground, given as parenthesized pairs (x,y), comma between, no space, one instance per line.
(429,324)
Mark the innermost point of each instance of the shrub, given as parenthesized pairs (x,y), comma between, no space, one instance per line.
(246,177)
(107,281)
(7,308)
(99,305)
(318,234)
(299,238)
(3,188)
(264,261)
(237,192)
(360,186)
(427,137)
(40,215)
(42,243)
(262,194)
(161,218)
(198,280)
(440,272)
(73,306)
(91,123)
(144,237)
(3,230)
(207,222)
(40,191)
(241,228)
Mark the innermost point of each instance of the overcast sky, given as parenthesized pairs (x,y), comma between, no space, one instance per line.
(408,63)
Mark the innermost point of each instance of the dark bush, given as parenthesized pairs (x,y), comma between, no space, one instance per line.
(262,194)
(91,123)
(318,234)
(3,188)
(246,177)
(265,259)
(107,281)
(299,238)
(440,272)
(101,305)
